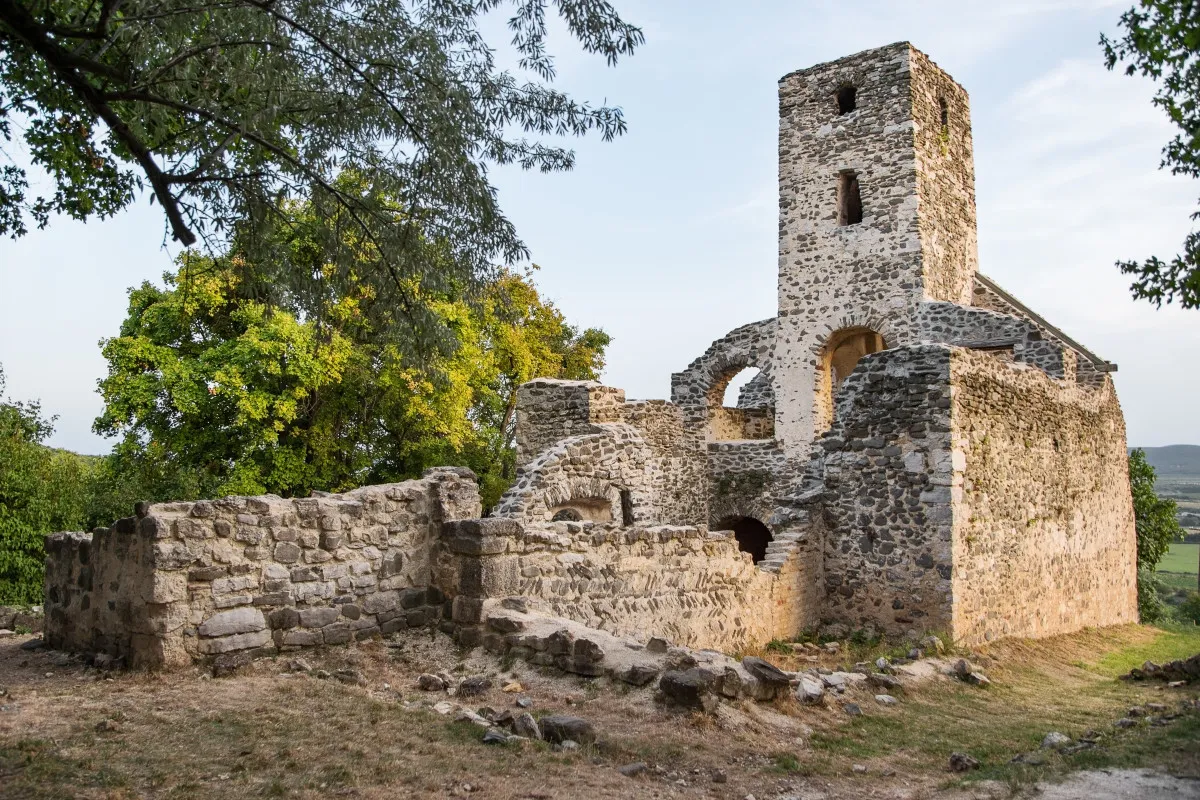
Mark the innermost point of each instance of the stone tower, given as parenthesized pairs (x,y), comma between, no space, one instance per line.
(877,215)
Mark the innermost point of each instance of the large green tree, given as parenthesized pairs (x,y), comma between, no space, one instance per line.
(1160,39)
(220,108)
(251,397)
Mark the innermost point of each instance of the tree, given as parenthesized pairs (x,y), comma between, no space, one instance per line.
(248,397)
(41,491)
(1157,526)
(220,109)
(1160,39)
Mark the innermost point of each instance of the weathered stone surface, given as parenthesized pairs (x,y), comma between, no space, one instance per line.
(557,728)
(239,620)
(691,688)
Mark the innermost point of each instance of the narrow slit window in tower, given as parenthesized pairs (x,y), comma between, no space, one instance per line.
(626,508)
(945,108)
(850,211)
(847,99)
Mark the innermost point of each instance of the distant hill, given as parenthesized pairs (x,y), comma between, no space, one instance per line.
(1175,459)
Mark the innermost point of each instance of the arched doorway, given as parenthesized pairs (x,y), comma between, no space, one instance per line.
(752,536)
(839,357)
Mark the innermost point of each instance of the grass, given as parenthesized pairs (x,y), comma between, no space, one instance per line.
(1181,558)
(1065,684)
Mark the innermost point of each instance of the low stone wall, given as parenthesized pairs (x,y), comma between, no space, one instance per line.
(254,574)
(1044,536)
(684,584)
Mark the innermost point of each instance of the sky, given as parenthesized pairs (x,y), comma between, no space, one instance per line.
(666,237)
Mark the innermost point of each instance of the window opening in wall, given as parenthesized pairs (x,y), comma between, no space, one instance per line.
(752,536)
(847,99)
(626,508)
(850,210)
(567,515)
(945,115)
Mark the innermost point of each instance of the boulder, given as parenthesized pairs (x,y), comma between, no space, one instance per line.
(559,728)
(525,725)
(766,672)
(810,690)
(961,762)
(690,688)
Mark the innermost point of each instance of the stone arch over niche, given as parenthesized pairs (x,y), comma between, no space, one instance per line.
(583,500)
(838,348)
(699,390)
(752,535)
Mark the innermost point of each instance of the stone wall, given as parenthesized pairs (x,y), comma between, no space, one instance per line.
(254,574)
(675,460)
(743,478)
(887,501)
(685,584)
(1044,538)
(549,410)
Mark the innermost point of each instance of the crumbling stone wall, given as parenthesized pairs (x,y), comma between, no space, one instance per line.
(549,410)
(699,390)
(743,478)
(888,482)
(254,574)
(683,583)
(1044,537)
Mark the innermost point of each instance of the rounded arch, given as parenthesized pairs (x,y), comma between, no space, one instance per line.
(837,358)
(752,535)
(699,390)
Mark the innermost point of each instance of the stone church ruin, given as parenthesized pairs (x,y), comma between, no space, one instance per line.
(918,452)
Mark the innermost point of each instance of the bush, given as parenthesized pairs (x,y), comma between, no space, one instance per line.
(1189,609)
(1152,609)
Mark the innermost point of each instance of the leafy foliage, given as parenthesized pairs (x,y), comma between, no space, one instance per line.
(222,109)
(1160,39)
(1157,527)
(246,397)
(41,490)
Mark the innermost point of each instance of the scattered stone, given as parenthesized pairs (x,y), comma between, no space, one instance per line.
(567,746)
(444,707)
(525,725)
(299,665)
(886,700)
(33,644)
(853,709)
(691,688)
(430,683)
(1055,741)
(962,668)
(1126,722)
(474,686)
(961,762)
(467,715)
(108,726)
(860,769)
(558,728)
(524,702)
(809,690)
(883,665)
(633,770)
(1077,748)
(833,647)
(496,736)
(350,676)
(766,672)
(882,681)
(1136,711)
(512,688)
(719,776)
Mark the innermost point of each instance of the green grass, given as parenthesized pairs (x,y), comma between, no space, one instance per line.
(1181,558)
(1174,642)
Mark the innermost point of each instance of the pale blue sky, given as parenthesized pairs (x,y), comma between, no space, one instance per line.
(666,237)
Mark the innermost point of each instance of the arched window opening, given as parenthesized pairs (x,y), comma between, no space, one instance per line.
(589,509)
(731,419)
(850,208)
(840,356)
(752,536)
(847,99)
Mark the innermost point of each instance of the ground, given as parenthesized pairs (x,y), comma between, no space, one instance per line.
(71,731)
